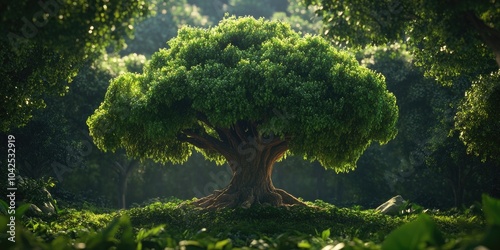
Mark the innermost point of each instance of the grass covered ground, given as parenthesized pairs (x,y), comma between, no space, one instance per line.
(174,224)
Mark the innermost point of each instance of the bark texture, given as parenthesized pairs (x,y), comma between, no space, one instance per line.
(251,157)
(251,184)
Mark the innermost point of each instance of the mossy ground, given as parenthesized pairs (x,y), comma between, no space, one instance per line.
(176,224)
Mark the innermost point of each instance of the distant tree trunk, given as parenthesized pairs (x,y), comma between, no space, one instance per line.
(122,191)
(251,158)
(124,170)
(461,175)
(457,193)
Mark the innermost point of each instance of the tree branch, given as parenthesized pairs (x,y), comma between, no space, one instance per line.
(205,141)
(225,137)
(194,142)
(489,35)
(203,118)
(278,151)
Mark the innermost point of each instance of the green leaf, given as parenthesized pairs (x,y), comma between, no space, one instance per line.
(491,208)
(143,233)
(490,238)
(325,234)
(22,209)
(127,236)
(106,238)
(304,244)
(4,207)
(417,234)
(223,244)
(190,244)
(61,242)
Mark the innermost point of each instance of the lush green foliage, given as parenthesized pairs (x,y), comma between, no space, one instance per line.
(247,70)
(43,45)
(461,42)
(420,156)
(478,118)
(160,225)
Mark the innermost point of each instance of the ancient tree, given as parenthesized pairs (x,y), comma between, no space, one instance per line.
(247,92)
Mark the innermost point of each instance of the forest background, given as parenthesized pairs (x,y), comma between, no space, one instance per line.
(426,163)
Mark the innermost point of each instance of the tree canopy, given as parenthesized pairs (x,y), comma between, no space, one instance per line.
(253,78)
(448,38)
(43,44)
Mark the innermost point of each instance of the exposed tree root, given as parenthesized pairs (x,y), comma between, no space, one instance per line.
(289,199)
(246,198)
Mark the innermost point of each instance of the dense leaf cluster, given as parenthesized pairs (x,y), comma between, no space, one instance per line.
(254,71)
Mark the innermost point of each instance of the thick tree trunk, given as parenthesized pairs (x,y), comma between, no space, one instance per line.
(251,157)
(251,184)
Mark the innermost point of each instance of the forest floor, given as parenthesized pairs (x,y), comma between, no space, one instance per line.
(168,225)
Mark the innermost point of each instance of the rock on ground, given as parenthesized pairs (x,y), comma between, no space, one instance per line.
(392,206)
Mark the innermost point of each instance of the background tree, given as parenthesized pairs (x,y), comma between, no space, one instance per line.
(424,156)
(218,91)
(478,118)
(256,8)
(214,10)
(56,142)
(43,45)
(153,33)
(447,38)
(88,90)
(301,18)
(451,40)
